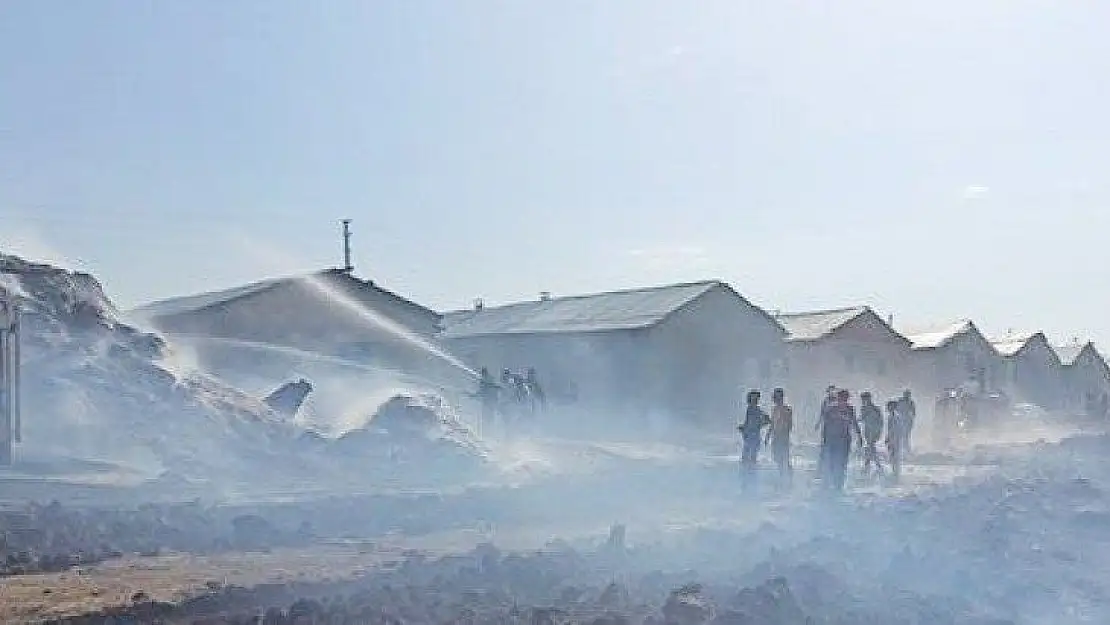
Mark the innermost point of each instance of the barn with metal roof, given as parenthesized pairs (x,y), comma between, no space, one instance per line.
(954,354)
(688,349)
(1086,379)
(1033,371)
(850,347)
(329,311)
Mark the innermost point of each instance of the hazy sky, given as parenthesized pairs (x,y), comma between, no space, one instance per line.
(934,159)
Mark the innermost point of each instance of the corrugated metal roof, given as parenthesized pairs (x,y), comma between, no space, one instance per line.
(929,337)
(617,310)
(194,303)
(1093,350)
(1068,354)
(811,326)
(1012,344)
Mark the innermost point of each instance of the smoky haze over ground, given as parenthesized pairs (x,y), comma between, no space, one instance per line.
(1008,524)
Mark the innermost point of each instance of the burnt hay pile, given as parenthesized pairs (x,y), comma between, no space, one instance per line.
(49,538)
(559,585)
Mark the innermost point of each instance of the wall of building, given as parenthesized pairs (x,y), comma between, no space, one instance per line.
(711,352)
(695,365)
(862,355)
(1034,375)
(1086,384)
(965,358)
(602,370)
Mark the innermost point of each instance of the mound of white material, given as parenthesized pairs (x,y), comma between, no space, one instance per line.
(415,433)
(93,388)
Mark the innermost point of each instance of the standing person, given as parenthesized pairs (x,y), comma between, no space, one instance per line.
(830,400)
(839,424)
(488,392)
(513,397)
(535,392)
(778,437)
(872,417)
(520,394)
(895,436)
(908,410)
(755,419)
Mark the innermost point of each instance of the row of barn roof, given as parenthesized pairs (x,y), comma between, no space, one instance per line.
(681,348)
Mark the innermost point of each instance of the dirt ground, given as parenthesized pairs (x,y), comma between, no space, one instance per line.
(170,578)
(174,577)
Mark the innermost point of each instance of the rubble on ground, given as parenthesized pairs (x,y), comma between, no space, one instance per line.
(46,538)
(487,586)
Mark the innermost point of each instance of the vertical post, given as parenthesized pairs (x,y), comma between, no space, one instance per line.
(16,402)
(5,382)
(347,266)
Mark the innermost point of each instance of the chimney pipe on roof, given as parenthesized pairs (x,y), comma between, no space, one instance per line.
(890,319)
(347,266)
(545,296)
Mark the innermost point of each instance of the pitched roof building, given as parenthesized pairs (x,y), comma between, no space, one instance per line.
(1086,379)
(1033,369)
(329,311)
(684,349)
(954,354)
(861,321)
(851,347)
(602,312)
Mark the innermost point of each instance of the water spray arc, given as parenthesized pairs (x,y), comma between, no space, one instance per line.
(334,295)
(303,355)
(329,293)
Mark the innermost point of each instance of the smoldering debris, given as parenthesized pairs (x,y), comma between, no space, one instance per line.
(1024,548)
(563,586)
(47,538)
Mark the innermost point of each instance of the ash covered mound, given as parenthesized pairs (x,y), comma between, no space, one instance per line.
(411,434)
(416,418)
(93,387)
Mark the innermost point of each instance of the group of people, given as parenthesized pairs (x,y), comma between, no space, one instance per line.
(515,396)
(838,425)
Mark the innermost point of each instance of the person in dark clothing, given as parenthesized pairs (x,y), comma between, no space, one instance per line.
(536,396)
(908,409)
(755,419)
(830,399)
(895,436)
(778,436)
(520,393)
(839,425)
(872,417)
(488,394)
(512,396)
